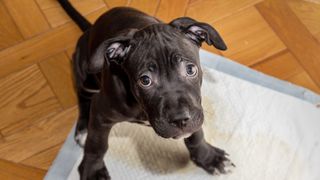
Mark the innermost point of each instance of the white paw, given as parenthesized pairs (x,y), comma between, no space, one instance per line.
(81,138)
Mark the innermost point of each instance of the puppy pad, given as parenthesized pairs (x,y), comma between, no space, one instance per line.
(268,126)
(269,135)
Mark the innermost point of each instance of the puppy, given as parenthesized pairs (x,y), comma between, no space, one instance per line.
(129,66)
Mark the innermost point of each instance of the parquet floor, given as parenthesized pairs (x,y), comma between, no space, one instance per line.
(37,38)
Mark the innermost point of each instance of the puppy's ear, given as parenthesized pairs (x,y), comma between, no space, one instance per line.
(199,32)
(113,50)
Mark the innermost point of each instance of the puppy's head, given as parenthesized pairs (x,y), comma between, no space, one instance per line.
(163,67)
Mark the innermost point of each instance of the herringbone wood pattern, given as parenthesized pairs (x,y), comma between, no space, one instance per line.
(37,38)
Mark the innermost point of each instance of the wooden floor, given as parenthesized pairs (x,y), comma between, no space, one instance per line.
(37,102)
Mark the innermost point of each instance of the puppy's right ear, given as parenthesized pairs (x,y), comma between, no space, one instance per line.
(113,50)
(199,32)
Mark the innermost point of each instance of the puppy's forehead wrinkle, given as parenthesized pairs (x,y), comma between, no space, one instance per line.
(158,44)
(156,29)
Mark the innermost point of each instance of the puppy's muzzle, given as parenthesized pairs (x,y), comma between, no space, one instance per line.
(180,119)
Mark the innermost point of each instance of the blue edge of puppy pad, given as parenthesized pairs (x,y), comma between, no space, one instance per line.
(70,151)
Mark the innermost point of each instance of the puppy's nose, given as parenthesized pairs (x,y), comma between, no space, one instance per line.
(180,120)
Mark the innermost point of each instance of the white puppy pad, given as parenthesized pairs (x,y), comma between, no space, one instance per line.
(269,135)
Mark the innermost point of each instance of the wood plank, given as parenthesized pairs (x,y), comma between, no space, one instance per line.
(70,51)
(25,97)
(58,71)
(248,37)
(294,35)
(212,10)
(169,10)
(1,137)
(116,3)
(27,16)
(303,79)
(44,159)
(282,66)
(38,48)
(9,33)
(92,17)
(317,36)
(193,1)
(10,170)
(57,16)
(308,13)
(38,137)
(147,6)
(42,46)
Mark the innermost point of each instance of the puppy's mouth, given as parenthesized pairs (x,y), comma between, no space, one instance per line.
(166,130)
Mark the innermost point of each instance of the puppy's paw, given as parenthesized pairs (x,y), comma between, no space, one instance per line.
(90,173)
(102,174)
(80,137)
(214,161)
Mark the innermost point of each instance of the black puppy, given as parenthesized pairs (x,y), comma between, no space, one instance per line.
(129,66)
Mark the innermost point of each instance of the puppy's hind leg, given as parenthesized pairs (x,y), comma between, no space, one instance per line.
(86,85)
(85,92)
(88,88)
(83,120)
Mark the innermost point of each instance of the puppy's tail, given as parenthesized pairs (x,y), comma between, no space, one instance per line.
(82,22)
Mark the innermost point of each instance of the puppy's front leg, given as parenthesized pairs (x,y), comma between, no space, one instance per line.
(92,165)
(210,158)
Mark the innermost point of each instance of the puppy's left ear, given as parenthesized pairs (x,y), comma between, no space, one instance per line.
(199,32)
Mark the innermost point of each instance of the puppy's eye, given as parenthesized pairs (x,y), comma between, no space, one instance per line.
(191,70)
(145,81)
